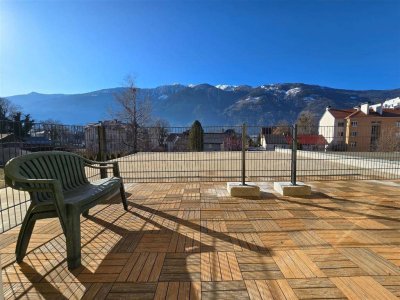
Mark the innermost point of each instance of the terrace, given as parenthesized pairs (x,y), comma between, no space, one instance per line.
(193,241)
(184,237)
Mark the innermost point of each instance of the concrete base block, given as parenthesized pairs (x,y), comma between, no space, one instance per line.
(236,189)
(288,189)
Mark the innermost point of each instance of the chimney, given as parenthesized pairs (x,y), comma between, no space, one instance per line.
(378,108)
(365,108)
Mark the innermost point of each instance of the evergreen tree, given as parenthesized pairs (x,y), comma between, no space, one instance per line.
(196,137)
(21,127)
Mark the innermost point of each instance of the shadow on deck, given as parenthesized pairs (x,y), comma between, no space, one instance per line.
(191,240)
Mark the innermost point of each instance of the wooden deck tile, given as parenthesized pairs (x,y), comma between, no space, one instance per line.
(315,288)
(181,267)
(333,263)
(224,290)
(132,291)
(391,254)
(258,266)
(271,289)
(370,262)
(362,288)
(391,283)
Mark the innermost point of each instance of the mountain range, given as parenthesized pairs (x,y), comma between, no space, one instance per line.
(211,105)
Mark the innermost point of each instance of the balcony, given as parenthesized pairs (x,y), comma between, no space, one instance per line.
(193,241)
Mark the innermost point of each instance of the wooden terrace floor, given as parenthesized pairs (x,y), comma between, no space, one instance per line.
(193,241)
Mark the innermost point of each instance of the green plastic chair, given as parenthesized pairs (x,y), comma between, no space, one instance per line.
(58,187)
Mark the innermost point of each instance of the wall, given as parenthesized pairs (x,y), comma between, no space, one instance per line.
(363,129)
(384,166)
(327,127)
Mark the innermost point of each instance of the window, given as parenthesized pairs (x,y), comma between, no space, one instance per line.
(398,124)
(354,123)
(353,144)
(340,124)
(375,132)
(340,133)
(354,133)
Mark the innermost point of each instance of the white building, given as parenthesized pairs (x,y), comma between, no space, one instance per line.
(274,141)
(332,125)
(392,103)
(171,140)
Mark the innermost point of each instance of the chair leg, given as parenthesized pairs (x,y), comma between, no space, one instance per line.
(73,238)
(24,235)
(123,196)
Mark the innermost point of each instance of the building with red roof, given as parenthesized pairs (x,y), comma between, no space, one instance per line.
(309,142)
(361,128)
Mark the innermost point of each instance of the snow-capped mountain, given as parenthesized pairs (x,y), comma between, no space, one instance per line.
(226,87)
(213,105)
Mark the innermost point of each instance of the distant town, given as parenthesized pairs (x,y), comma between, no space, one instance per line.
(368,127)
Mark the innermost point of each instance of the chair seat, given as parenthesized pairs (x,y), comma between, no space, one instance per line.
(90,192)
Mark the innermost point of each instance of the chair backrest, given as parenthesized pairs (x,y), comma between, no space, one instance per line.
(67,168)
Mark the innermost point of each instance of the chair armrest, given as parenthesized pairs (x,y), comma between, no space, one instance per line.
(51,185)
(99,167)
(103,165)
(90,163)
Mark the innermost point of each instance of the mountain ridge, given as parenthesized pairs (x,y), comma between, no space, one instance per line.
(212,105)
(220,86)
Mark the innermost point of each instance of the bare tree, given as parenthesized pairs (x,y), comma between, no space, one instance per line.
(7,108)
(389,140)
(282,128)
(7,112)
(52,129)
(160,132)
(307,123)
(135,113)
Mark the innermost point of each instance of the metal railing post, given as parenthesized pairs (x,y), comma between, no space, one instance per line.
(101,135)
(243,154)
(294,155)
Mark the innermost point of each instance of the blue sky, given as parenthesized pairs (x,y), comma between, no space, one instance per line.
(80,46)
